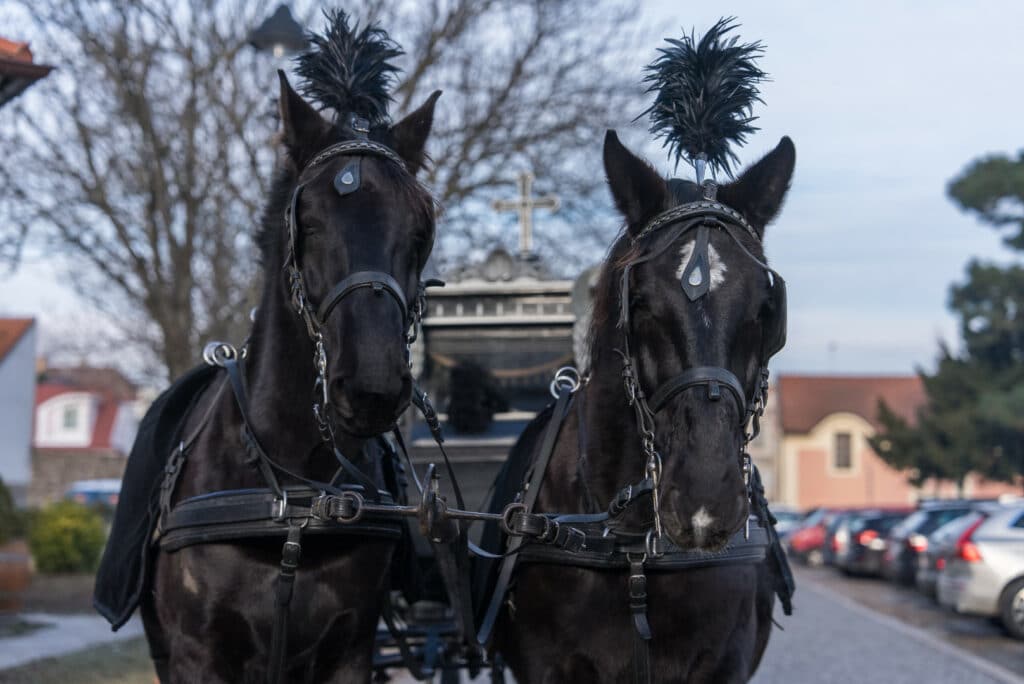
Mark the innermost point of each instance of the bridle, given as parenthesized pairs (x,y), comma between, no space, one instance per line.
(702,216)
(346,181)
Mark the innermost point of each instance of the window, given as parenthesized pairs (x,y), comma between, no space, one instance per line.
(843,456)
(70,417)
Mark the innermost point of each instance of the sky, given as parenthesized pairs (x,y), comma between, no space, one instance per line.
(886,102)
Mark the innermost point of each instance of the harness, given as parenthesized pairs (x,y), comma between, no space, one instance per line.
(310,507)
(601,540)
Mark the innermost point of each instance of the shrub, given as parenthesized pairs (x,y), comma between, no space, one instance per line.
(66,537)
(10,517)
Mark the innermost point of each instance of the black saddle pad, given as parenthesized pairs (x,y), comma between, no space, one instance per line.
(507,484)
(123,571)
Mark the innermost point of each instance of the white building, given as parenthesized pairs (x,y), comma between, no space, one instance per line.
(17,401)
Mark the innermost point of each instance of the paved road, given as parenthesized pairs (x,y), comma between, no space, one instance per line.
(61,634)
(833,638)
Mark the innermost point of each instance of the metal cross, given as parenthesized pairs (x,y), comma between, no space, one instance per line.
(525,204)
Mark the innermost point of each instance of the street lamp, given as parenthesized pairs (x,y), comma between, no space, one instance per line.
(280,34)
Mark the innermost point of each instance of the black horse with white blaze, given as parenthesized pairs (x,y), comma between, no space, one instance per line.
(346,233)
(670,585)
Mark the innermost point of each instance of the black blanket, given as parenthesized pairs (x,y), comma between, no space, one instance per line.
(124,569)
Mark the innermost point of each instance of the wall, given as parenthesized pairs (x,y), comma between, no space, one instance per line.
(17,402)
(53,471)
(809,478)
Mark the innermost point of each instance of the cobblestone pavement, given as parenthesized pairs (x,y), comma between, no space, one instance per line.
(847,630)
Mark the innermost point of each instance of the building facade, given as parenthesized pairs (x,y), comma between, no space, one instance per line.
(17,389)
(823,455)
(85,424)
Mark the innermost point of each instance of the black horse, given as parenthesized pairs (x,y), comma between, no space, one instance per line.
(341,268)
(686,312)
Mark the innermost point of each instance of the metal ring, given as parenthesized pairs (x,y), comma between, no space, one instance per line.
(507,515)
(653,545)
(357,504)
(566,377)
(217,353)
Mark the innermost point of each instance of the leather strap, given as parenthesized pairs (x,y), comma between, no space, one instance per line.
(713,377)
(277,670)
(379,281)
(540,466)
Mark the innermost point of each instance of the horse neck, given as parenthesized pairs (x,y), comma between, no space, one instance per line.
(614,458)
(280,374)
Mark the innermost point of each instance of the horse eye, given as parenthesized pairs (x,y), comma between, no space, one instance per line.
(312,226)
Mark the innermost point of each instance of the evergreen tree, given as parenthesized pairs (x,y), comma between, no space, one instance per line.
(973,419)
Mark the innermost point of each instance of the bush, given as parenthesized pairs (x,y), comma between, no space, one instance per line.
(11,522)
(66,537)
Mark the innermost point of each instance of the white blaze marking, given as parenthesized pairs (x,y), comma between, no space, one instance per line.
(701,521)
(189,581)
(715,265)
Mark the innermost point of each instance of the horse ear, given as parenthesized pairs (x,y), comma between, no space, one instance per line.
(759,191)
(409,136)
(639,191)
(302,128)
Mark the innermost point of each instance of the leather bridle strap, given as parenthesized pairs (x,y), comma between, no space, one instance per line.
(378,281)
(713,377)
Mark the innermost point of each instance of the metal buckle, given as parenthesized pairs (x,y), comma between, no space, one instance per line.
(281,504)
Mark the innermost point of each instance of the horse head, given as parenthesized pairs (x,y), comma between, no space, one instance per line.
(358,226)
(700,317)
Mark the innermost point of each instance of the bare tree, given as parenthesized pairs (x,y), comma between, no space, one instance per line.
(144,160)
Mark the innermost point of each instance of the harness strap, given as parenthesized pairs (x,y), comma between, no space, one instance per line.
(284,589)
(257,455)
(714,377)
(379,281)
(641,627)
(540,466)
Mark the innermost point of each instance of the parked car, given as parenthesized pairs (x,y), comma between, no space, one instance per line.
(788,519)
(832,527)
(102,492)
(805,542)
(860,540)
(984,570)
(907,540)
(933,560)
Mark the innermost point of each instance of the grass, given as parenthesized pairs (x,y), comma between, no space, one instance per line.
(14,626)
(124,662)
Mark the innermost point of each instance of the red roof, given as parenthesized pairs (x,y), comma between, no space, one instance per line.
(804,400)
(17,70)
(106,385)
(12,330)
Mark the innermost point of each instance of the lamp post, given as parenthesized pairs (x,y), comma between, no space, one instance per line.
(279,34)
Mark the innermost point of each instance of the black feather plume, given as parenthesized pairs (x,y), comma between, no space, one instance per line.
(705,95)
(347,69)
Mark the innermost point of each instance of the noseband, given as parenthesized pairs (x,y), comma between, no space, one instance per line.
(378,282)
(702,216)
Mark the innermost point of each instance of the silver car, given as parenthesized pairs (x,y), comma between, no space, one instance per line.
(984,568)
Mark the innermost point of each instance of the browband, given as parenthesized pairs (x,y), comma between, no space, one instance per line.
(700,208)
